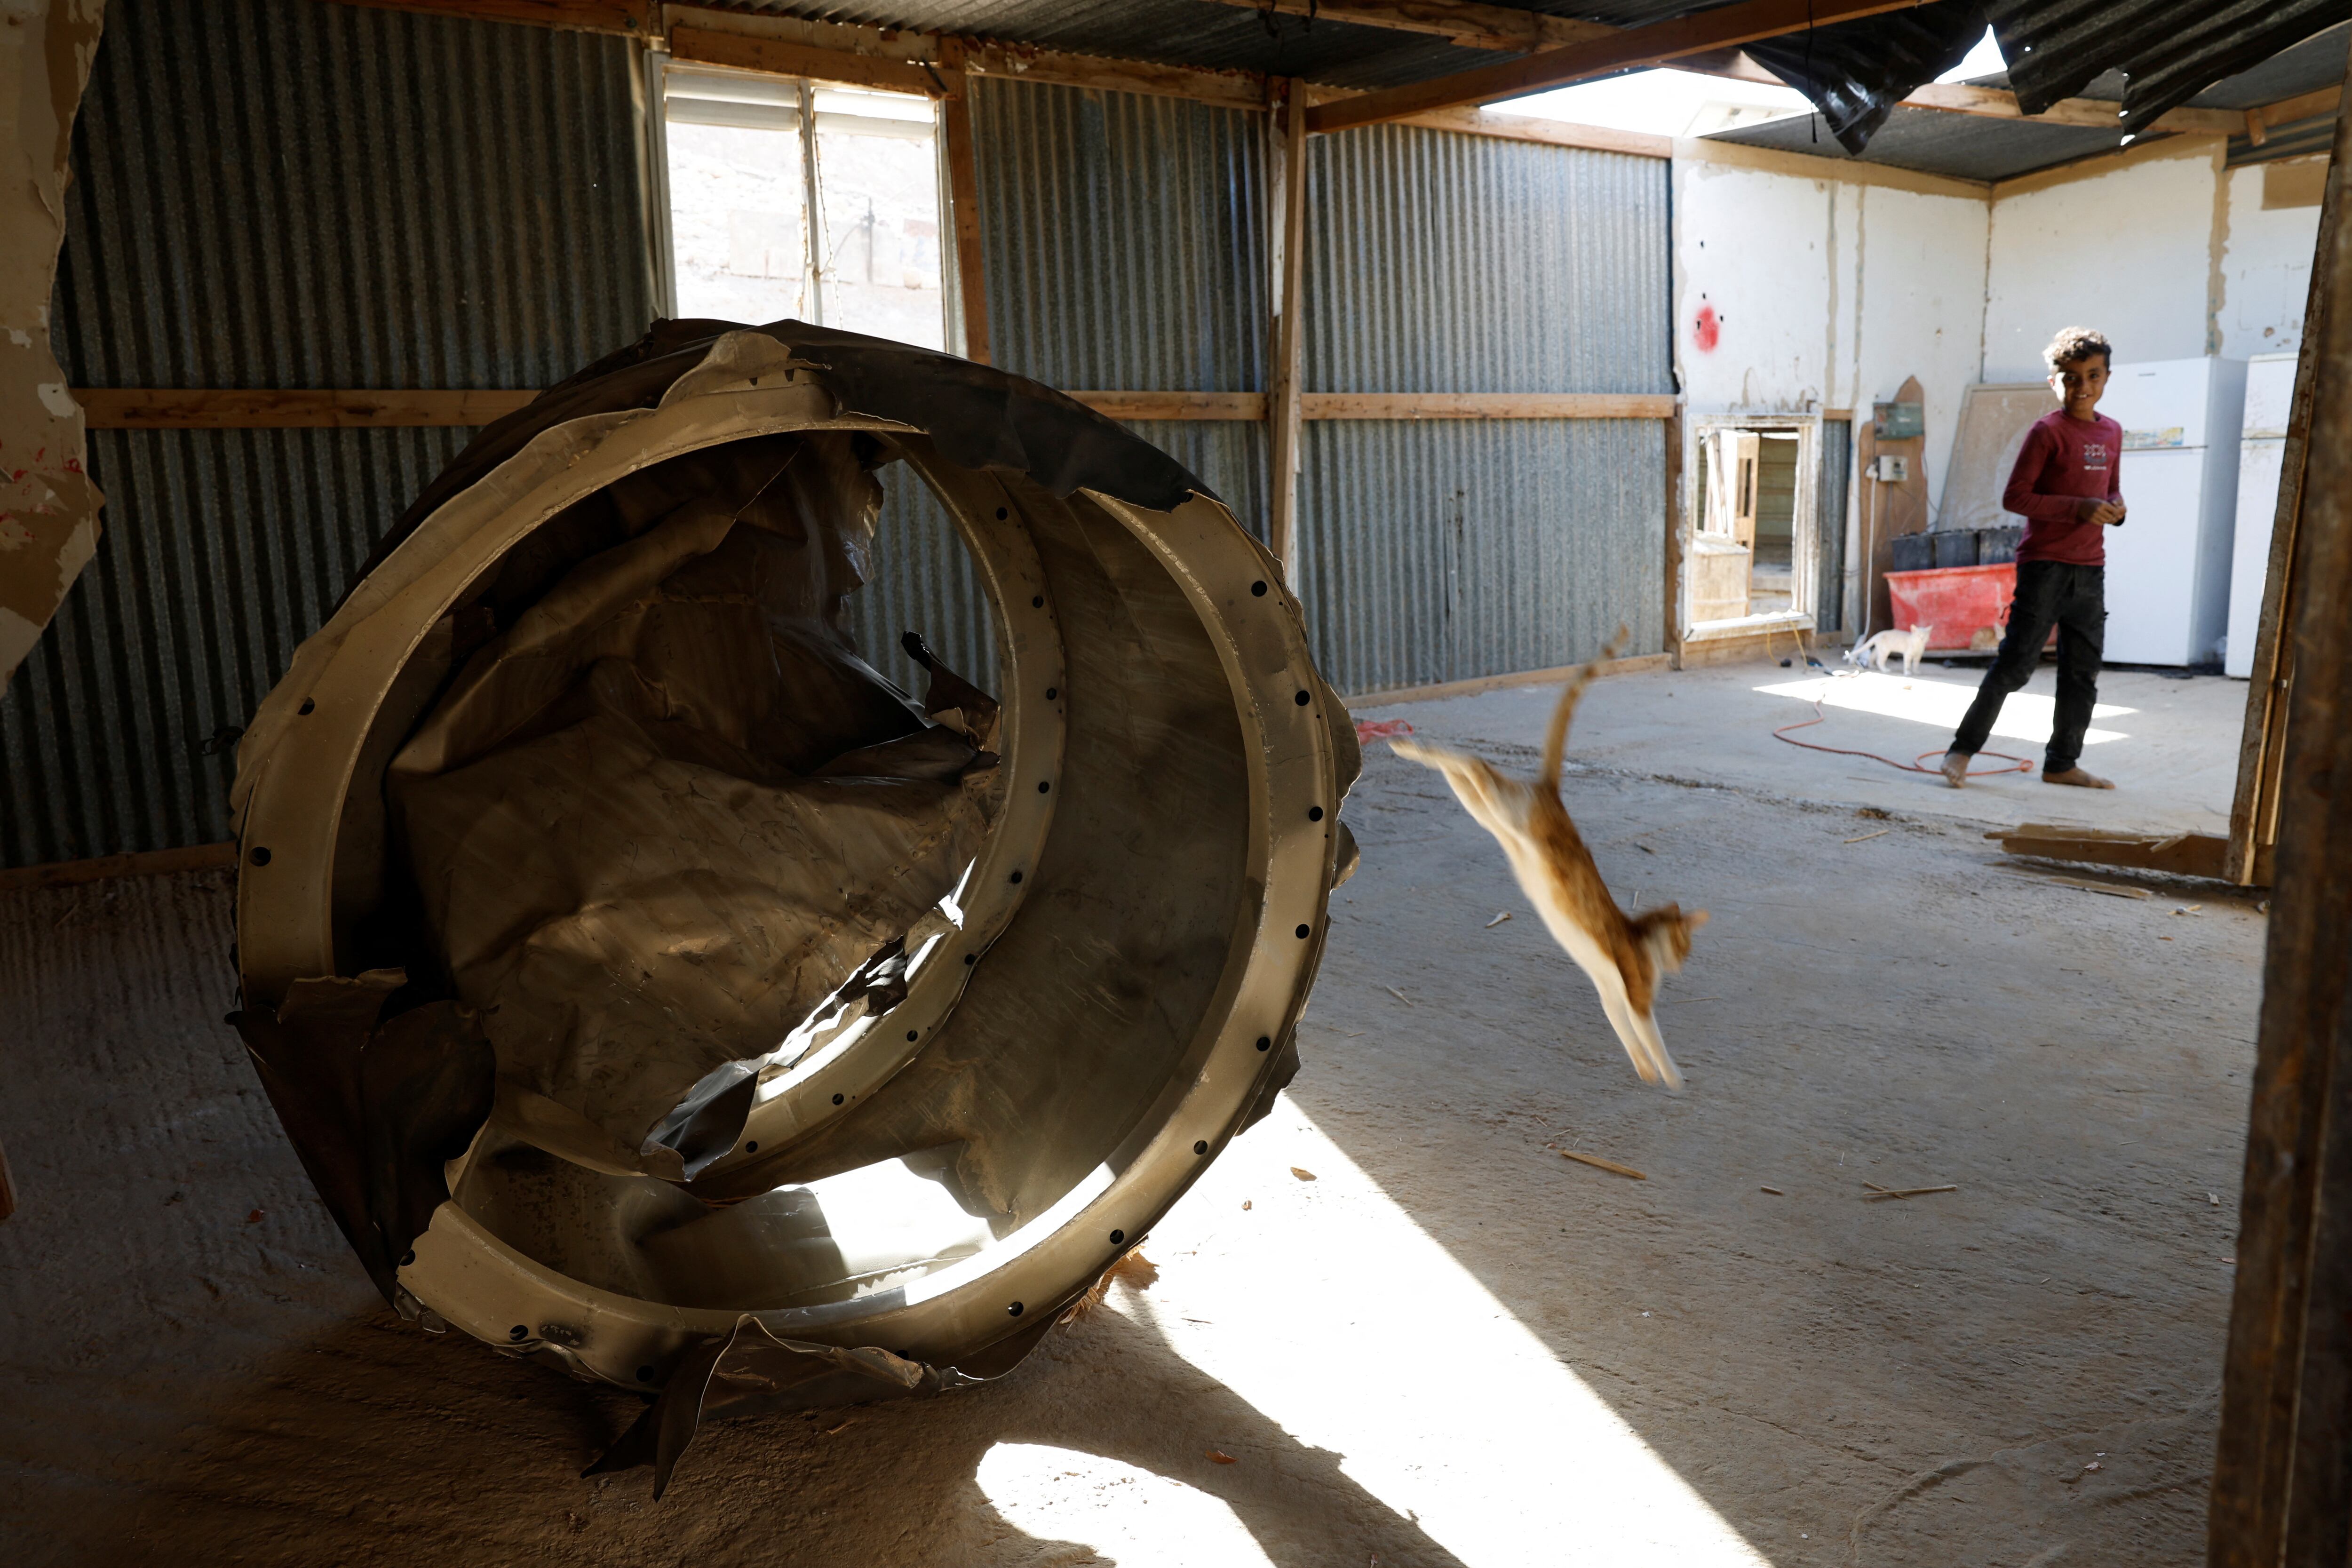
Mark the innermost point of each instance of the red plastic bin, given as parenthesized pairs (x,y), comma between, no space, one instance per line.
(1956,601)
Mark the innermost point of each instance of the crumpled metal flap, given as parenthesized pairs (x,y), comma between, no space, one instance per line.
(750,1372)
(373,1110)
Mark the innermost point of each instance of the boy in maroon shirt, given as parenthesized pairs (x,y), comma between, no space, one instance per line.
(2065,486)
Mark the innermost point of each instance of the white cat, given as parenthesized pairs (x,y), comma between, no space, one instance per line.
(1875,653)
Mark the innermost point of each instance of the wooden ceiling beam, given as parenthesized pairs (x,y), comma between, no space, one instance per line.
(778,56)
(1460,22)
(2089,114)
(1662,43)
(2285,111)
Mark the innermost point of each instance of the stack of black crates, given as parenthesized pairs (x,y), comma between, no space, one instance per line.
(1959,547)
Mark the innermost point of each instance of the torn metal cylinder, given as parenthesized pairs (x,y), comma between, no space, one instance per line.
(639,973)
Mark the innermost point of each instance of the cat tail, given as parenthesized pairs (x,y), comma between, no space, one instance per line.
(1556,741)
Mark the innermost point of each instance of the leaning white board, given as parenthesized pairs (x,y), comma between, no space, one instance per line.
(2269,396)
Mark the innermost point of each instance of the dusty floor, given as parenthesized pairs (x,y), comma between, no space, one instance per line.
(2169,741)
(1450,1346)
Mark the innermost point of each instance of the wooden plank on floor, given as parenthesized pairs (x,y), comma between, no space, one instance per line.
(2179,854)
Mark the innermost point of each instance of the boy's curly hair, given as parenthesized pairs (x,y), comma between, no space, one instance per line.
(2074,343)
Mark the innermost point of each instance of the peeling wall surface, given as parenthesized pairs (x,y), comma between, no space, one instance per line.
(2130,253)
(1795,294)
(48,507)
(2266,269)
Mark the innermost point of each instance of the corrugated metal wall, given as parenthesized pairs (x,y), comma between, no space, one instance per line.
(923,582)
(1124,251)
(1440,262)
(284,193)
(1837,482)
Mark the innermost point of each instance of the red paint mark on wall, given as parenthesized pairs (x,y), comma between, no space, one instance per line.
(1706,329)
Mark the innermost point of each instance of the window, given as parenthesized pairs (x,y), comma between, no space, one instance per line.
(792,199)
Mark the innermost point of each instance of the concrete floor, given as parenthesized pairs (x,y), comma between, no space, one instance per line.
(2170,744)
(1448,1346)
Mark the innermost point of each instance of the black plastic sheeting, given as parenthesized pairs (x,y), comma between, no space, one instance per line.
(1856,72)
(2169,51)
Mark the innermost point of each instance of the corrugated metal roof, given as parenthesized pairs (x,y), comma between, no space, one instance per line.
(1933,142)
(2316,62)
(2169,50)
(282,194)
(1975,147)
(1213,37)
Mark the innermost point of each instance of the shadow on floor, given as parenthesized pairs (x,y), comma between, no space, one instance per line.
(2023,1365)
(384,1445)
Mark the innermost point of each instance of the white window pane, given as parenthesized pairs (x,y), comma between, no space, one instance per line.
(736,220)
(877,183)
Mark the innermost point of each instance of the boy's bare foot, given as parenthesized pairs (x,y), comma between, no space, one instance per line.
(2076,777)
(1955,768)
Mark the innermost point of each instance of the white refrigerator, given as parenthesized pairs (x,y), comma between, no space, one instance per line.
(2270,391)
(2169,563)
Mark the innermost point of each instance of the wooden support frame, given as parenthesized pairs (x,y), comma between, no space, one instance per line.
(2283,1469)
(1287,219)
(963,212)
(1487,406)
(1660,43)
(781,56)
(201,408)
(2261,742)
(206,408)
(103,868)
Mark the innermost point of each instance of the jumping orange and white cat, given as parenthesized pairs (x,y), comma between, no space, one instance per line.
(1624,954)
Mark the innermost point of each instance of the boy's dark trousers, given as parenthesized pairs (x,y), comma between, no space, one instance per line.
(2049,593)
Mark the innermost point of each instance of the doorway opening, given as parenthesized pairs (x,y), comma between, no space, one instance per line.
(1752,535)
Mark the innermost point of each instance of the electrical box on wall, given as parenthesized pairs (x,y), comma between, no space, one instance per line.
(1898,421)
(1891,469)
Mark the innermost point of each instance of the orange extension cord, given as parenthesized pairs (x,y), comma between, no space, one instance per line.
(2023,765)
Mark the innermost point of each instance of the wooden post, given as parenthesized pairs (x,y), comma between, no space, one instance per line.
(1282,409)
(2283,1471)
(963,206)
(2262,744)
(1672,640)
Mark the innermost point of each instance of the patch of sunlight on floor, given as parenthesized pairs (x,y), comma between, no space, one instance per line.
(1129,1515)
(1327,1307)
(2026,716)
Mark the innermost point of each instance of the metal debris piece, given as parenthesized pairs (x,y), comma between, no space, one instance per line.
(610,932)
